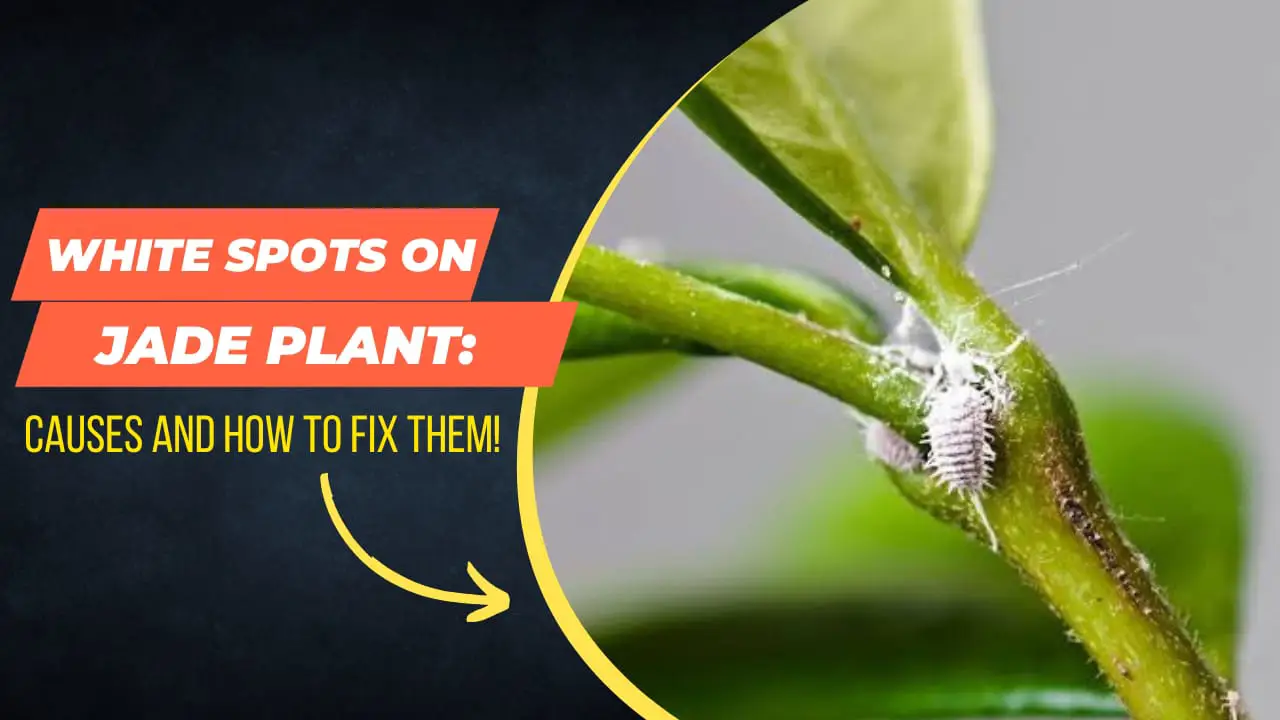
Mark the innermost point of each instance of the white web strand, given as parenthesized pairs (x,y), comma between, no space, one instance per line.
(1065,270)
(976,499)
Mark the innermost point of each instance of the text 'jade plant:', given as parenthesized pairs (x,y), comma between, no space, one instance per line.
(871,119)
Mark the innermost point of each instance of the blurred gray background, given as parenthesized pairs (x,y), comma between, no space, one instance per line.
(1159,119)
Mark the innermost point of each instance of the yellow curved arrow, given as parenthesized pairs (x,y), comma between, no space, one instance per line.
(491,599)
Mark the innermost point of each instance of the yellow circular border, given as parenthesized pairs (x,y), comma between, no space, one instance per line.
(566,618)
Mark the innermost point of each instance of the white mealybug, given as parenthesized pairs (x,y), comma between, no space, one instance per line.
(890,448)
(964,394)
(958,423)
(958,430)
(884,445)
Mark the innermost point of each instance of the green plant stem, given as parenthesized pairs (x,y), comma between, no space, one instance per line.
(597,332)
(1050,518)
(1053,523)
(670,302)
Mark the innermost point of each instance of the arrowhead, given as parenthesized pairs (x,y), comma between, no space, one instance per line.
(494,602)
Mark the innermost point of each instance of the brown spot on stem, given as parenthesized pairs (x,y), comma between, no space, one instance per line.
(1072,505)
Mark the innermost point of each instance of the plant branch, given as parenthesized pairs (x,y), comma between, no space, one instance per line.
(670,302)
(1053,523)
(1050,517)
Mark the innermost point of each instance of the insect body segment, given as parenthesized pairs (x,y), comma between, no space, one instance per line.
(959,437)
(964,393)
(959,433)
(890,448)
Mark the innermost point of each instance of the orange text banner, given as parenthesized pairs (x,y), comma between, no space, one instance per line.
(283,344)
(254,254)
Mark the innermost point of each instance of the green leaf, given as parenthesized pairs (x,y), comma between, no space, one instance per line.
(855,659)
(768,108)
(586,391)
(794,107)
(913,75)
(864,606)
(599,332)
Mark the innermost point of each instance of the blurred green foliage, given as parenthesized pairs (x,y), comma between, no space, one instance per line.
(586,392)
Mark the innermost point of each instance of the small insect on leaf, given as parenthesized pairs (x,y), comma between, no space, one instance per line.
(890,448)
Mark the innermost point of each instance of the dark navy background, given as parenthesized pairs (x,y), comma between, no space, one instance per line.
(205,585)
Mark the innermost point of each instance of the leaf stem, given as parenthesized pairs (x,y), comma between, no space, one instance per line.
(668,301)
